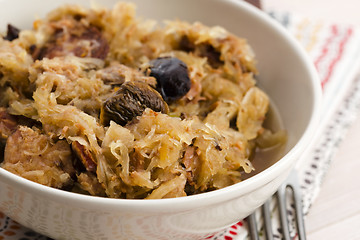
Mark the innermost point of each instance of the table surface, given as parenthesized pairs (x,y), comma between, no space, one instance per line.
(335,213)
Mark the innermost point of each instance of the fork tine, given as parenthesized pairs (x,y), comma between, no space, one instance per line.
(253,227)
(267,220)
(299,218)
(282,210)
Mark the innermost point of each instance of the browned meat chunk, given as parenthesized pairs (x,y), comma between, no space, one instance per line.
(191,163)
(212,55)
(85,156)
(34,156)
(8,125)
(89,183)
(116,74)
(203,50)
(73,37)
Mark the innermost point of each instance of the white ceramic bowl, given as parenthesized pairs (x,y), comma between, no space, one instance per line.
(286,75)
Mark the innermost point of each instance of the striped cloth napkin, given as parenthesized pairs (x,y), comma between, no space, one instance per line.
(335,51)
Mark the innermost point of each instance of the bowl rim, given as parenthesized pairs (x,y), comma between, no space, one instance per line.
(203,199)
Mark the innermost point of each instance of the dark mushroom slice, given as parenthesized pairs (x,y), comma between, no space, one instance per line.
(172,76)
(130,101)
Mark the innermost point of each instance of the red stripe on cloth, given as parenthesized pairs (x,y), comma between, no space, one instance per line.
(325,48)
(234,226)
(232,233)
(337,57)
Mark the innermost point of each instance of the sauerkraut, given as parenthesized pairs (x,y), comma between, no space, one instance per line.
(83,110)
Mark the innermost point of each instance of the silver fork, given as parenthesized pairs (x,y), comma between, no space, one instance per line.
(281,195)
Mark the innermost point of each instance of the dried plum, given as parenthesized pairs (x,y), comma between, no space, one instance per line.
(173,81)
(130,100)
